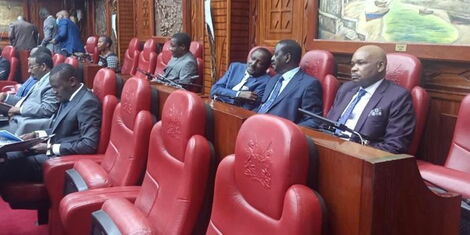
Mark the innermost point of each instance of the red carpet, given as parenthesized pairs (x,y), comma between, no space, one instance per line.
(19,222)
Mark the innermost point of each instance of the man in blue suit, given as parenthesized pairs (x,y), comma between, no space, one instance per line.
(67,35)
(373,106)
(243,84)
(291,88)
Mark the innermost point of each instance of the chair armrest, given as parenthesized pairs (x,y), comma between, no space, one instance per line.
(92,173)
(447,178)
(127,217)
(54,174)
(76,208)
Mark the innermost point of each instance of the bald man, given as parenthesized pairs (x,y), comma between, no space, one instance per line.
(68,35)
(373,106)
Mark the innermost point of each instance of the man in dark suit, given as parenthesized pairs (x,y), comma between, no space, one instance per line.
(23,35)
(68,35)
(4,67)
(243,84)
(182,67)
(76,128)
(49,28)
(291,88)
(373,106)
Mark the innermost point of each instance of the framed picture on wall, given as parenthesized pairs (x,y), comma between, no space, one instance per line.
(431,29)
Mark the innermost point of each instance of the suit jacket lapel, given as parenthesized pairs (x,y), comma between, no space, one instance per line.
(291,87)
(344,103)
(237,79)
(270,87)
(376,97)
(66,110)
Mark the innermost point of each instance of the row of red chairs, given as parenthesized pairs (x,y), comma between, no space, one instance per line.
(177,178)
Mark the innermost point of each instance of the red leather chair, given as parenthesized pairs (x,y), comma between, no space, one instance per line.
(405,70)
(9,53)
(270,70)
(261,188)
(58,59)
(176,178)
(454,176)
(27,195)
(72,61)
(163,58)
(320,64)
(123,162)
(91,48)
(131,57)
(147,59)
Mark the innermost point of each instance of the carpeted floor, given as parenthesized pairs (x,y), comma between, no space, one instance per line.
(19,222)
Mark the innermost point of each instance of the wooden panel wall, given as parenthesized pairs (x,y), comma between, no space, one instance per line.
(126,24)
(144,19)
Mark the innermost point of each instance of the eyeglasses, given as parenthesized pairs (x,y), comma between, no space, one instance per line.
(32,66)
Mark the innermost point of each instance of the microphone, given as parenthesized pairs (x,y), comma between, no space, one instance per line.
(336,125)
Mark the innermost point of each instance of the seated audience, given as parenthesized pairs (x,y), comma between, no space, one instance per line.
(29,83)
(68,35)
(375,107)
(4,67)
(75,126)
(34,110)
(182,67)
(108,59)
(291,88)
(243,84)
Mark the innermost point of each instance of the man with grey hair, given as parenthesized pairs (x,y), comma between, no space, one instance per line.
(49,28)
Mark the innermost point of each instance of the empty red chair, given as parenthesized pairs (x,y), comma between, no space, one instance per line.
(72,61)
(91,48)
(27,195)
(454,176)
(319,64)
(123,162)
(176,179)
(261,188)
(131,57)
(9,53)
(405,70)
(147,59)
(163,58)
(58,59)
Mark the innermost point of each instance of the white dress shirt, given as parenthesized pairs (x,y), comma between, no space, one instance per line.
(288,77)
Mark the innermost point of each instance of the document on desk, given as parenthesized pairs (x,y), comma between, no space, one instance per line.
(10,142)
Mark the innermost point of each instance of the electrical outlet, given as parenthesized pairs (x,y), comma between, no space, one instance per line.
(400,47)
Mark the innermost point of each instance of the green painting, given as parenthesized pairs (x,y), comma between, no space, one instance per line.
(407,21)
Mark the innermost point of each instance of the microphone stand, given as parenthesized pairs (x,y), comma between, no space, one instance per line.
(162,79)
(336,125)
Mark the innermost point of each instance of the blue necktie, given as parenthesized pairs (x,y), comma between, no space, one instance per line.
(347,114)
(23,90)
(274,93)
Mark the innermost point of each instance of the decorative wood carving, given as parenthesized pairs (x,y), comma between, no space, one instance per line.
(101,20)
(280,16)
(168,17)
(125,23)
(145,19)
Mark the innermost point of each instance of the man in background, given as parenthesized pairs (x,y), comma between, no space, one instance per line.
(4,67)
(23,35)
(243,84)
(49,28)
(291,88)
(68,35)
(182,67)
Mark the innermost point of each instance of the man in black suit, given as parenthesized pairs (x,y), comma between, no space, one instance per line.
(76,128)
(291,88)
(4,67)
(373,106)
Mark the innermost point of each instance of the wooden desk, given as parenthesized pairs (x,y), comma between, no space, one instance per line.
(366,190)
(89,72)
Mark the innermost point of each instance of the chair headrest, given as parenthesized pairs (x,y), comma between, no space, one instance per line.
(135,97)
(196,49)
(166,53)
(134,45)
(91,44)
(72,61)
(271,154)
(404,70)
(104,83)
(8,52)
(149,47)
(318,63)
(183,116)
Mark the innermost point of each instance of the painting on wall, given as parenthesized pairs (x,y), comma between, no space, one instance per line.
(9,11)
(407,21)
